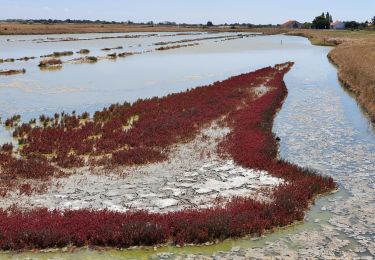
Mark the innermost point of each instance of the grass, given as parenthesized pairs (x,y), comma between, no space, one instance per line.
(354,56)
(356,65)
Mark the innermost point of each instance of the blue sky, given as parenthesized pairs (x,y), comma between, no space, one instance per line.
(191,11)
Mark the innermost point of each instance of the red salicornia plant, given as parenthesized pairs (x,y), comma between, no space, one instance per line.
(139,133)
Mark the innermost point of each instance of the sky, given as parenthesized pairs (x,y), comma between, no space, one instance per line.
(189,11)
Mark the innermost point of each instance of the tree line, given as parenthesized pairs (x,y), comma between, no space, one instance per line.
(324,21)
(81,21)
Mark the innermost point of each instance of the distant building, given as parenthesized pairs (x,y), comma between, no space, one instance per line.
(292,24)
(338,25)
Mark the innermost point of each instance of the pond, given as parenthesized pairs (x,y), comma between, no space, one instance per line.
(320,126)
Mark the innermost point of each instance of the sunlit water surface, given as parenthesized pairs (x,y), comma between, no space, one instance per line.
(320,126)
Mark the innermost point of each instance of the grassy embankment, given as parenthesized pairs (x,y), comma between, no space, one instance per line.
(354,56)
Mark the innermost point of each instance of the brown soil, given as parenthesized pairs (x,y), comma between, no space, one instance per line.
(19,28)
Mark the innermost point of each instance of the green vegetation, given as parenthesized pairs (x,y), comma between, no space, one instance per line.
(322,22)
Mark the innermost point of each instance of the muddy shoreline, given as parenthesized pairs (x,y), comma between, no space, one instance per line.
(355,71)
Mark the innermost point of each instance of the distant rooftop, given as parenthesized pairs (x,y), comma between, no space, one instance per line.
(292,24)
(336,23)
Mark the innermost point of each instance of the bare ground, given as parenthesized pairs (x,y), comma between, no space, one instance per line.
(22,29)
(194,177)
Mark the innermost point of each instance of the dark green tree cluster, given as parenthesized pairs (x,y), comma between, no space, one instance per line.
(323,21)
(353,25)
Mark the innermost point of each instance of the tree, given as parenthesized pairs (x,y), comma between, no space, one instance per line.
(307,25)
(321,22)
(210,24)
(373,20)
(329,17)
(353,25)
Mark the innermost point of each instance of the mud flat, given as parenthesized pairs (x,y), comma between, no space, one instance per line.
(238,36)
(18,59)
(87,59)
(320,127)
(165,48)
(112,48)
(195,176)
(73,39)
(58,54)
(200,196)
(12,72)
(47,63)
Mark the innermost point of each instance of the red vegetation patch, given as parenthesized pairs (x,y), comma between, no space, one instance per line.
(147,127)
(162,122)
(136,156)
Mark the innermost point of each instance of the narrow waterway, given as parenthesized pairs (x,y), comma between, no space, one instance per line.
(320,126)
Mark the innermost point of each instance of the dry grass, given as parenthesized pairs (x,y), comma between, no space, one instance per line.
(333,37)
(19,28)
(356,64)
(354,56)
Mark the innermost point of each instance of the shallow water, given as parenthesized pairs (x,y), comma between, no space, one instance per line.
(320,126)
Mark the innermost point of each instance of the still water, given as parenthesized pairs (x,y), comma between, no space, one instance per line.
(320,126)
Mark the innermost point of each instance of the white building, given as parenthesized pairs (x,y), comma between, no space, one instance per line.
(338,25)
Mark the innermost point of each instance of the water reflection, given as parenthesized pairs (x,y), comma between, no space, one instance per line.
(320,126)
